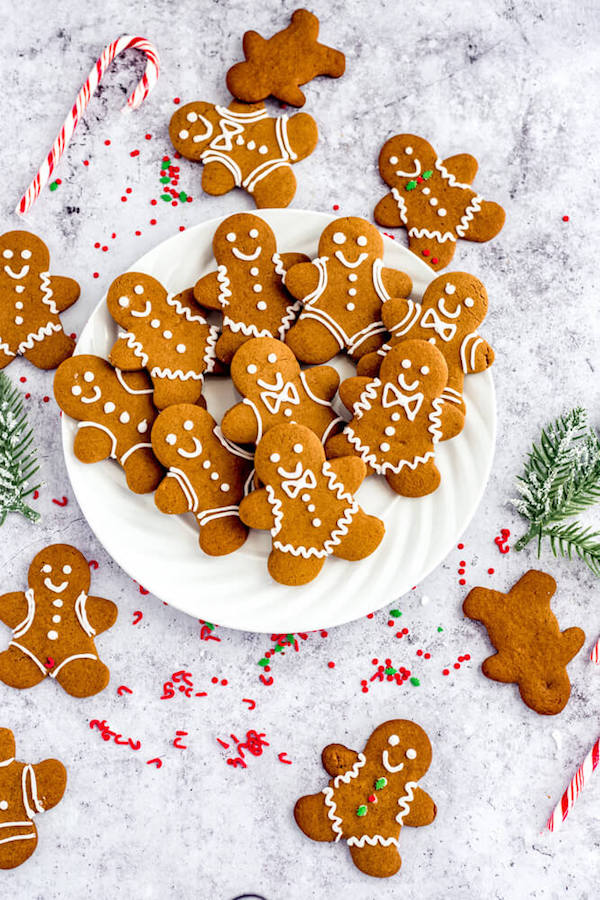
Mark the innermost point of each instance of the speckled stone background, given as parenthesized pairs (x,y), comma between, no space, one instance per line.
(516,84)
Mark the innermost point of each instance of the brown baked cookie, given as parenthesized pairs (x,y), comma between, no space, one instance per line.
(531,650)
(453,307)
(342,293)
(397,418)
(279,65)
(30,302)
(274,390)
(248,285)
(371,796)
(243,146)
(308,505)
(25,791)
(433,200)
(206,475)
(54,623)
(165,334)
(115,412)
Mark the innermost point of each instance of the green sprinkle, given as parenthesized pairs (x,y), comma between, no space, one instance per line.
(415,681)
(411,185)
(380,783)
(165,164)
(440,628)
(210,625)
(290,638)
(263,662)
(53,186)
(394,613)
(165,197)
(390,671)
(426,175)
(279,648)
(182,196)
(165,179)
(362,810)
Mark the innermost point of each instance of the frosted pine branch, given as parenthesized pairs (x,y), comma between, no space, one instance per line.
(18,461)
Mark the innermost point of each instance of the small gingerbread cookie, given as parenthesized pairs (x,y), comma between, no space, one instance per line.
(30,302)
(115,412)
(433,200)
(243,146)
(397,418)
(206,475)
(275,390)
(279,65)
(165,334)
(453,307)
(371,796)
(531,650)
(308,505)
(54,624)
(26,789)
(342,293)
(248,285)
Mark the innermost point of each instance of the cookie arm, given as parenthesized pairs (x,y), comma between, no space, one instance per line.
(499,667)
(293,259)
(422,810)
(572,641)
(338,759)
(302,279)
(387,213)
(479,600)
(463,166)
(13,608)
(123,357)
(101,613)
(350,470)
(351,389)
(322,381)
(256,512)
(396,283)
(50,783)
(207,291)
(170,497)
(481,360)
(65,291)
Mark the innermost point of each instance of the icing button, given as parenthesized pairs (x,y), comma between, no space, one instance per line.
(350,307)
(261,305)
(390,430)
(206,464)
(224,487)
(57,603)
(384,447)
(3,805)
(316,522)
(214,476)
(56,619)
(52,635)
(18,320)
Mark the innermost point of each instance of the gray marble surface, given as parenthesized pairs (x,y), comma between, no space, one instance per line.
(517,86)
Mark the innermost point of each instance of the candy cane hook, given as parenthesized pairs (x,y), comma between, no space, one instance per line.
(147,82)
(577,784)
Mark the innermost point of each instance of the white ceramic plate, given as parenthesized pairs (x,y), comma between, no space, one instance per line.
(162,553)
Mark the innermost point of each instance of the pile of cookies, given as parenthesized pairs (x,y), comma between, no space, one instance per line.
(281,459)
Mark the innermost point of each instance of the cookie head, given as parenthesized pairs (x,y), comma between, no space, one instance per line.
(180,433)
(22,257)
(130,296)
(351,241)
(192,128)
(400,747)
(405,156)
(286,454)
(78,386)
(60,570)
(245,244)
(458,297)
(263,364)
(417,367)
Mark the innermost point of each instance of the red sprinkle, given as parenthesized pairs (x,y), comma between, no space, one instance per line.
(445,671)
(107,142)
(148,137)
(460,546)
(153,221)
(97,244)
(491,571)
(462,563)
(426,252)
(224,682)
(135,153)
(461,571)
(128,190)
(214,680)
(335,207)
(138,233)
(331,665)
(22,379)
(45,399)
(434,260)
(62,502)
(427,656)
(123,199)
(457,665)
(419,653)
(176,100)
(96,275)
(565,218)
(461,581)
(86,162)
(92,564)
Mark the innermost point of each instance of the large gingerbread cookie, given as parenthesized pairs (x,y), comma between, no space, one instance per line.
(26,790)
(206,475)
(243,146)
(371,796)
(308,505)
(531,650)
(275,390)
(248,285)
(453,307)
(397,418)
(433,199)
(115,412)
(165,334)
(30,302)
(342,292)
(279,65)
(54,624)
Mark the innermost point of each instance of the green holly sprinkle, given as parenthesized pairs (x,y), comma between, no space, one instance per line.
(440,628)
(380,783)
(390,670)
(362,810)
(165,197)
(165,164)
(263,662)
(165,179)
(279,648)
(415,681)
(394,613)
(290,638)
(426,175)
(411,185)
(182,196)
(53,186)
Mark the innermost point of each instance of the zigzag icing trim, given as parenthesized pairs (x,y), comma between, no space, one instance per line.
(246,329)
(352,773)
(210,353)
(435,429)
(375,839)
(224,282)
(48,292)
(363,403)
(289,318)
(336,822)
(43,332)
(278,263)
(4,348)
(172,374)
(183,310)
(405,801)
(134,345)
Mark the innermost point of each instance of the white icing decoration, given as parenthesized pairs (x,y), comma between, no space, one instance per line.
(191,454)
(246,257)
(55,588)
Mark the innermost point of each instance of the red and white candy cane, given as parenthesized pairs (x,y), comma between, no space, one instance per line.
(147,82)
(584,772)
(595,653)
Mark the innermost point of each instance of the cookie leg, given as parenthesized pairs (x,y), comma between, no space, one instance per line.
(222,536)
(441,253)
(5,358)
(15,853)
(338,445)
(142,471)
(419,482)
(547,693)
(228,343)
(83,677)
(311,342)
(217,179)
(369,365)
(168,391)
(276,190)
(363,538)
(293,570)
(49,353)
(18,670)
(452,419)
(310,813)
(381,862)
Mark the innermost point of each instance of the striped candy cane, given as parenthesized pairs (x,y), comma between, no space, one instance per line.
(585,771)
(147,82)
(595,653)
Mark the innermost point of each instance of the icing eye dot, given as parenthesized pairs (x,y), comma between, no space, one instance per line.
(192,117)
(167,334)
(257,288)
(272,357)
(468,301)
(251,145)
(124,302)
(76,390)
(424,370)
(109,407)
(393,740)
(138,289)
(171,439)
(274,457)
(47,568)
(67,570)
(394,160)
(183,134)
(26,254)
(411,753)
(441,211)
(7,254)
(253,231)
(231,237)
(409,151)
(143,426)
(298,448)
(339,237)
(88,376)
(406,363)
(188,424)
(180,348)
(155,323)
(361,240)
(254,270)
(124,417)
(450,289)
(251,369)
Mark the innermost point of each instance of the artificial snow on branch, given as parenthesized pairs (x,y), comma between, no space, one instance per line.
(18,462)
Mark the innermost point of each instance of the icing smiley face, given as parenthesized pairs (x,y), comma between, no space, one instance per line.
(60,571)
(22,257)
(352,242)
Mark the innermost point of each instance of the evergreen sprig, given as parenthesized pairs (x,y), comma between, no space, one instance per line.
(18,462)
(560,479)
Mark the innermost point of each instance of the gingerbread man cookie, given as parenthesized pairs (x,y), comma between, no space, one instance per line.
(397,418)
(279,65)
(206,475)
(342,292)
(531,650)
(54,623)
(248,285)
(30,302)
(243,146)
(115,412)
(308,505)
(165,334)
(275,390)
(371,796)
(433,200)
(25,790)
(453,307)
